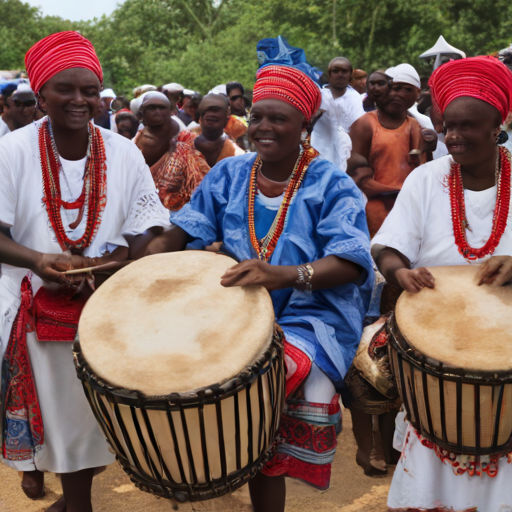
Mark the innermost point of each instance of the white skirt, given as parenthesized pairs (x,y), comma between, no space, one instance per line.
(422,481)
(72,437)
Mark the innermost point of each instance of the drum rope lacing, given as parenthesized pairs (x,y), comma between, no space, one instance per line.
(501,210)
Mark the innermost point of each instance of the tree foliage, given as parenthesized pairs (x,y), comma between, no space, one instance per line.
(201,43)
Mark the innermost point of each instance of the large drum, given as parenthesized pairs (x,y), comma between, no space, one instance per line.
(185,377)
(451,353)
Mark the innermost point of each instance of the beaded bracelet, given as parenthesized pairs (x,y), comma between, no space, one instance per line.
(303,282)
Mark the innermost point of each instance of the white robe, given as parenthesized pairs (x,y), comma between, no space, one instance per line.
(420,227)
(330,134)
(73,440)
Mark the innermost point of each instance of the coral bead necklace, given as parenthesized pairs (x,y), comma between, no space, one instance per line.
(500,216)
(93,194)
(265,247)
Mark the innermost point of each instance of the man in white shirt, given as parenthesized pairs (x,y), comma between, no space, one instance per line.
(19,109)
(341,106)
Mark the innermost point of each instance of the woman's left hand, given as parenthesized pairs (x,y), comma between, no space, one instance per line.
(272,277)
(496,271)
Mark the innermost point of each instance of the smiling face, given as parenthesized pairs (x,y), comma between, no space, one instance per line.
(71,98)
(275,128)
(471,127)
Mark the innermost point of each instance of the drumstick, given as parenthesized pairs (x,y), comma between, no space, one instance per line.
(105,266)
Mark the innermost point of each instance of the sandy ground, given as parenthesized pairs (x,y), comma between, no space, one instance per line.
(351,490)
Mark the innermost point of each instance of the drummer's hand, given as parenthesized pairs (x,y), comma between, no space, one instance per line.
(272,277)
(414,280)
(496,271)
(50,268)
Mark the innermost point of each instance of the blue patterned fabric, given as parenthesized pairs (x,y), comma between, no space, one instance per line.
(327,217)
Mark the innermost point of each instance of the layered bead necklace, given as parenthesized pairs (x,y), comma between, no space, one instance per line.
(265,247)
(94,191)
(499,221)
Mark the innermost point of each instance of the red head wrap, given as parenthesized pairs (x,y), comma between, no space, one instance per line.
(58,52)
(483,78)
(290,85)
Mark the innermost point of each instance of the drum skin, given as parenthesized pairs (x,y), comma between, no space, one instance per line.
(204,420)
(458,407)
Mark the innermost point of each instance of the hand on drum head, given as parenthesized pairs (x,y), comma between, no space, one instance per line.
(496,271)
(272,277)
(414,280)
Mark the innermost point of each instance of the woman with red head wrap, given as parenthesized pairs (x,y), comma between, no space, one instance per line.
(71,196)
(454,211)
(297,224)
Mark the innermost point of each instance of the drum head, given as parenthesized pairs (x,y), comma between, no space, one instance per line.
(459,323)
(165,324)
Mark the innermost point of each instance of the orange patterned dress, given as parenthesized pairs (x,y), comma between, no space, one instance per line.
(177,174)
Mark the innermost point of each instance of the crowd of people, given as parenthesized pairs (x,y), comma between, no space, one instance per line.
(334,197)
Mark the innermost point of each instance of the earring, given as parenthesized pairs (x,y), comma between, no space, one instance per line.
(501,138)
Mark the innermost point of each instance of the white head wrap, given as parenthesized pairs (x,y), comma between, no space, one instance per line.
(108,93)
(404,74)
(173,87)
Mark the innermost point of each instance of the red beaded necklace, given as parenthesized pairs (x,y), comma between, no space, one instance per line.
(499,222)
(94,191)
(265,247)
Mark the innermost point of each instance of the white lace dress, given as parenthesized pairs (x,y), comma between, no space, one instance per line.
(73,440)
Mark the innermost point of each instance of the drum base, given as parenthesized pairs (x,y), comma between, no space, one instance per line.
(215,489)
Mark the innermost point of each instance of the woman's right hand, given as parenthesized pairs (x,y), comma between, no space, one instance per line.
(50,268)
(414,280)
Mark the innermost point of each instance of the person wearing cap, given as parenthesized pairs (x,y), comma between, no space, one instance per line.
(177,167)
(424,229)
(341,107)
(274,211)
(72,196)
(174,92)
(386,137)
(19,109)
(105,118)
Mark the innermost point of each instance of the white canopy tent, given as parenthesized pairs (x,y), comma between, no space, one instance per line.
(442,52)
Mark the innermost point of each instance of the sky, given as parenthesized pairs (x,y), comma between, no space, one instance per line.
(75,10)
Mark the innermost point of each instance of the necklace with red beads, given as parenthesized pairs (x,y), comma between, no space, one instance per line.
(265,247)
(94,192)
(499,221)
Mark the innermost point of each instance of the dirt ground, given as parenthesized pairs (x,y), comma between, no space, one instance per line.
(351,490)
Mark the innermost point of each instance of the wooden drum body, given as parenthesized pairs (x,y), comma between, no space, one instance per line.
(193,442)
(457,386)
(195,446)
